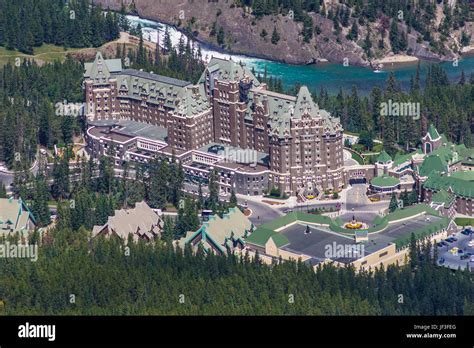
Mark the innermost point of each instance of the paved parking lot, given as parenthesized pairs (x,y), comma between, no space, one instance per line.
(454,261)
(316,243)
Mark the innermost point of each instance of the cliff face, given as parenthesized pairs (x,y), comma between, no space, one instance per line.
(243,33)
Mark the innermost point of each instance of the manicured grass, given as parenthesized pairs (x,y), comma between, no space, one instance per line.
(464,221)
(357,157)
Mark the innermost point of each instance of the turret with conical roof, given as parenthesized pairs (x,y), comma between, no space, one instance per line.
(383,164)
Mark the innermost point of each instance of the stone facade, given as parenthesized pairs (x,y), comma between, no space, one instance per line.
(228,106)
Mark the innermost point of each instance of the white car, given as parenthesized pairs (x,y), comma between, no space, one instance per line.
(471,243)
(472,258)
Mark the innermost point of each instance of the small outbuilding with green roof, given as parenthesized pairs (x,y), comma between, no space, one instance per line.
(384,183)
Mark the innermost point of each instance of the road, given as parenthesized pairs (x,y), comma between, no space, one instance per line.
(6,176)
(356,200)
(261,212)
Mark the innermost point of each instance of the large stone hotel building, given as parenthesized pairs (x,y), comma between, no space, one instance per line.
(296,146)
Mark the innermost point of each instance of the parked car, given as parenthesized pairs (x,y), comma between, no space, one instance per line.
(287,211)
(441,261)
(466,232)
(471,243)
(472,258)
(440,245)
(449,240)
(464,257)
(460,251)
(454,239)
(444,243)
(454,250)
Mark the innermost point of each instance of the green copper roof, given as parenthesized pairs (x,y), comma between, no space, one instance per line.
(452,153)
(433,132)
(384,157)
(467,175)
(280,240)
(384,181)
(468,161)
(260,236)
(442,196)
(458,186)
(431,164)
(399,158)
(423,232)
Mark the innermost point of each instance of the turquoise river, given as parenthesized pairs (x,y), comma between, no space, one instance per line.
(330,76)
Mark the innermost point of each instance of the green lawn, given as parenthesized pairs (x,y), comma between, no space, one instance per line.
(45,53)
(464,221)
(357,157)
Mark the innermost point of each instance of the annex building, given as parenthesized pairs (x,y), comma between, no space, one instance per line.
(139,223)
(15,217)
(318,239)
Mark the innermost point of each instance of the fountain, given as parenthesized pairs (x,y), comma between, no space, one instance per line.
(354,224)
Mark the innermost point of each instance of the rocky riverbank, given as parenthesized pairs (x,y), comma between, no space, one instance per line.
(244,34)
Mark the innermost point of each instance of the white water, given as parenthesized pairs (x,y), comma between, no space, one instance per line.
(151,29)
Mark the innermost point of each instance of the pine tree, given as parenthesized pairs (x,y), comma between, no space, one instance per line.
(405,198)
(393,36)
(40,201)
(354,32)
(3,190)
(213,198)
(275,36)
(413,197)
(233,198)
(220,36)
(393,203)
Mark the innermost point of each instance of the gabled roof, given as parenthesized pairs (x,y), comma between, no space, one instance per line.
(149,77)
(305,104)
(433,163)
(400,159)
(228,70)
(384,157)
(101,69)
(280,240)
(139,222)
(467,175)
(457,186)
(443,197)
(433,132)
(233,225)
(14,215)
(174,94)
